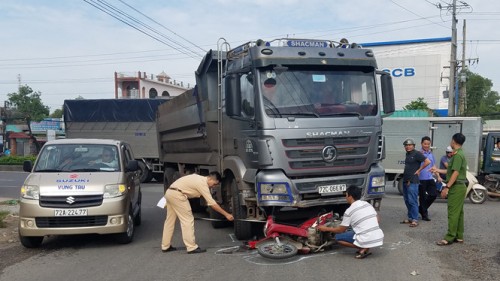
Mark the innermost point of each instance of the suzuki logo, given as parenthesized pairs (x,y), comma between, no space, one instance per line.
(70,200)
(329,153)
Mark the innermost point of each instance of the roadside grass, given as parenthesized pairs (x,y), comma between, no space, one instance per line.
(3,215)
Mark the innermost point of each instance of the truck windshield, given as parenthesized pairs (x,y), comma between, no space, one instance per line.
(318,93)
(78,158)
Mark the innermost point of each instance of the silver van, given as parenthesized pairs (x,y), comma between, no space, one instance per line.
(80,186)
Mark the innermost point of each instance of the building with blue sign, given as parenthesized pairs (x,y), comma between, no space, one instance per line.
(420,68)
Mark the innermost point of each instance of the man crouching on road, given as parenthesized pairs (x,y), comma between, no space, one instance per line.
(363,219)
(177,195)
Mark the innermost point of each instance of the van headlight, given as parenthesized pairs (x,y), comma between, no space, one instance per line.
(114,190)
(30,192)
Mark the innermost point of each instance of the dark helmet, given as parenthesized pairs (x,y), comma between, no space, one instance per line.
(409,141)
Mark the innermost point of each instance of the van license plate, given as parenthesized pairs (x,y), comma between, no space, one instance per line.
(70,212)
(332,188)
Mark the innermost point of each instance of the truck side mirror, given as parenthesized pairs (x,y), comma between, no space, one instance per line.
(387,92)
(232,95)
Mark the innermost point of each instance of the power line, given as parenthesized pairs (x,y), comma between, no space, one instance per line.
(129,20)
(417,14)
(146,16)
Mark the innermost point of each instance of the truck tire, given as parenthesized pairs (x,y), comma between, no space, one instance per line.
(158,177)
(400,186)
(170,176)
(146,174)
(242,229)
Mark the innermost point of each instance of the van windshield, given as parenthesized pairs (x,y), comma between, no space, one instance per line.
(78,158)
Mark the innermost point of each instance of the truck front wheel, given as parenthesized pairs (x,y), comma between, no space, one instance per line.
(242,229)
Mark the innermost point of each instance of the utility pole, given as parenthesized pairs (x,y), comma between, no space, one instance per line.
(452,100)
(453,60)
(463,78)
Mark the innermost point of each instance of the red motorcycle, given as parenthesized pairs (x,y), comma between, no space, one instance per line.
(283,241)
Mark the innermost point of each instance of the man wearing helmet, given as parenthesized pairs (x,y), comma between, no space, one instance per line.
(413,166)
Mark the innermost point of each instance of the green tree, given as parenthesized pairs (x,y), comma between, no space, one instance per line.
(480,99)
(418,104)
(28,106)
(58,113)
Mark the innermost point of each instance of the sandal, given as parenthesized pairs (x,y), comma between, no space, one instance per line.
(443,243)
(405,222)
(362,255)
(458,240)
(413,224)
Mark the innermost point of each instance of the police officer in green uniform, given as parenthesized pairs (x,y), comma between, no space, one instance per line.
(455,190)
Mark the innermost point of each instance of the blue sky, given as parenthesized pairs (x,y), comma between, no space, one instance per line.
(69,48)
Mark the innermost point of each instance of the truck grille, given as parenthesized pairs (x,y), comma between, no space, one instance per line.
(64,201)
(55,222)
(307,153)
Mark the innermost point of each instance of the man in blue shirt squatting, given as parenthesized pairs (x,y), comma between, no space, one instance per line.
(415,162)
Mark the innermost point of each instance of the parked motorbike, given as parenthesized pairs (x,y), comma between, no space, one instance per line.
(492,184)
(283,241)
(476,193)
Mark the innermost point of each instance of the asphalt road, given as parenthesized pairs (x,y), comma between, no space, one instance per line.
(407,254)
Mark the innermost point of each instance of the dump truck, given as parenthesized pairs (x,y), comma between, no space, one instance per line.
(289,123)
(130,120)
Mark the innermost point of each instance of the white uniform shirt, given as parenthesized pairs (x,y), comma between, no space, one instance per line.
(362,217)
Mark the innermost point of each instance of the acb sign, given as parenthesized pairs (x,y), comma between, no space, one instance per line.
(401,72)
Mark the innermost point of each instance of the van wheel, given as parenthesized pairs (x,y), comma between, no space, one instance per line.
(31,241)
(138,216)
(242,229)
(127,236)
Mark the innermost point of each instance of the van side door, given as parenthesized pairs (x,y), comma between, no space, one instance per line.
(132,177)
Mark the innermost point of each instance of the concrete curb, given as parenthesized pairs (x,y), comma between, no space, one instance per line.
(11,168)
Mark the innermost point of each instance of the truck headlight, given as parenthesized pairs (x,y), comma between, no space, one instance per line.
(377,184)
(30,192)
(114,190)
(273,188)
(275,192)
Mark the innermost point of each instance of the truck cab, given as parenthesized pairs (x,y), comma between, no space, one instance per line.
(80,186)
(491,154)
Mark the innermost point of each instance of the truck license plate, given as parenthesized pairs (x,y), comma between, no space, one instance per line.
(332,188)
(70,212)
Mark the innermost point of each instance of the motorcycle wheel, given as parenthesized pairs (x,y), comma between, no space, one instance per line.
(478,198)
(270,249)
